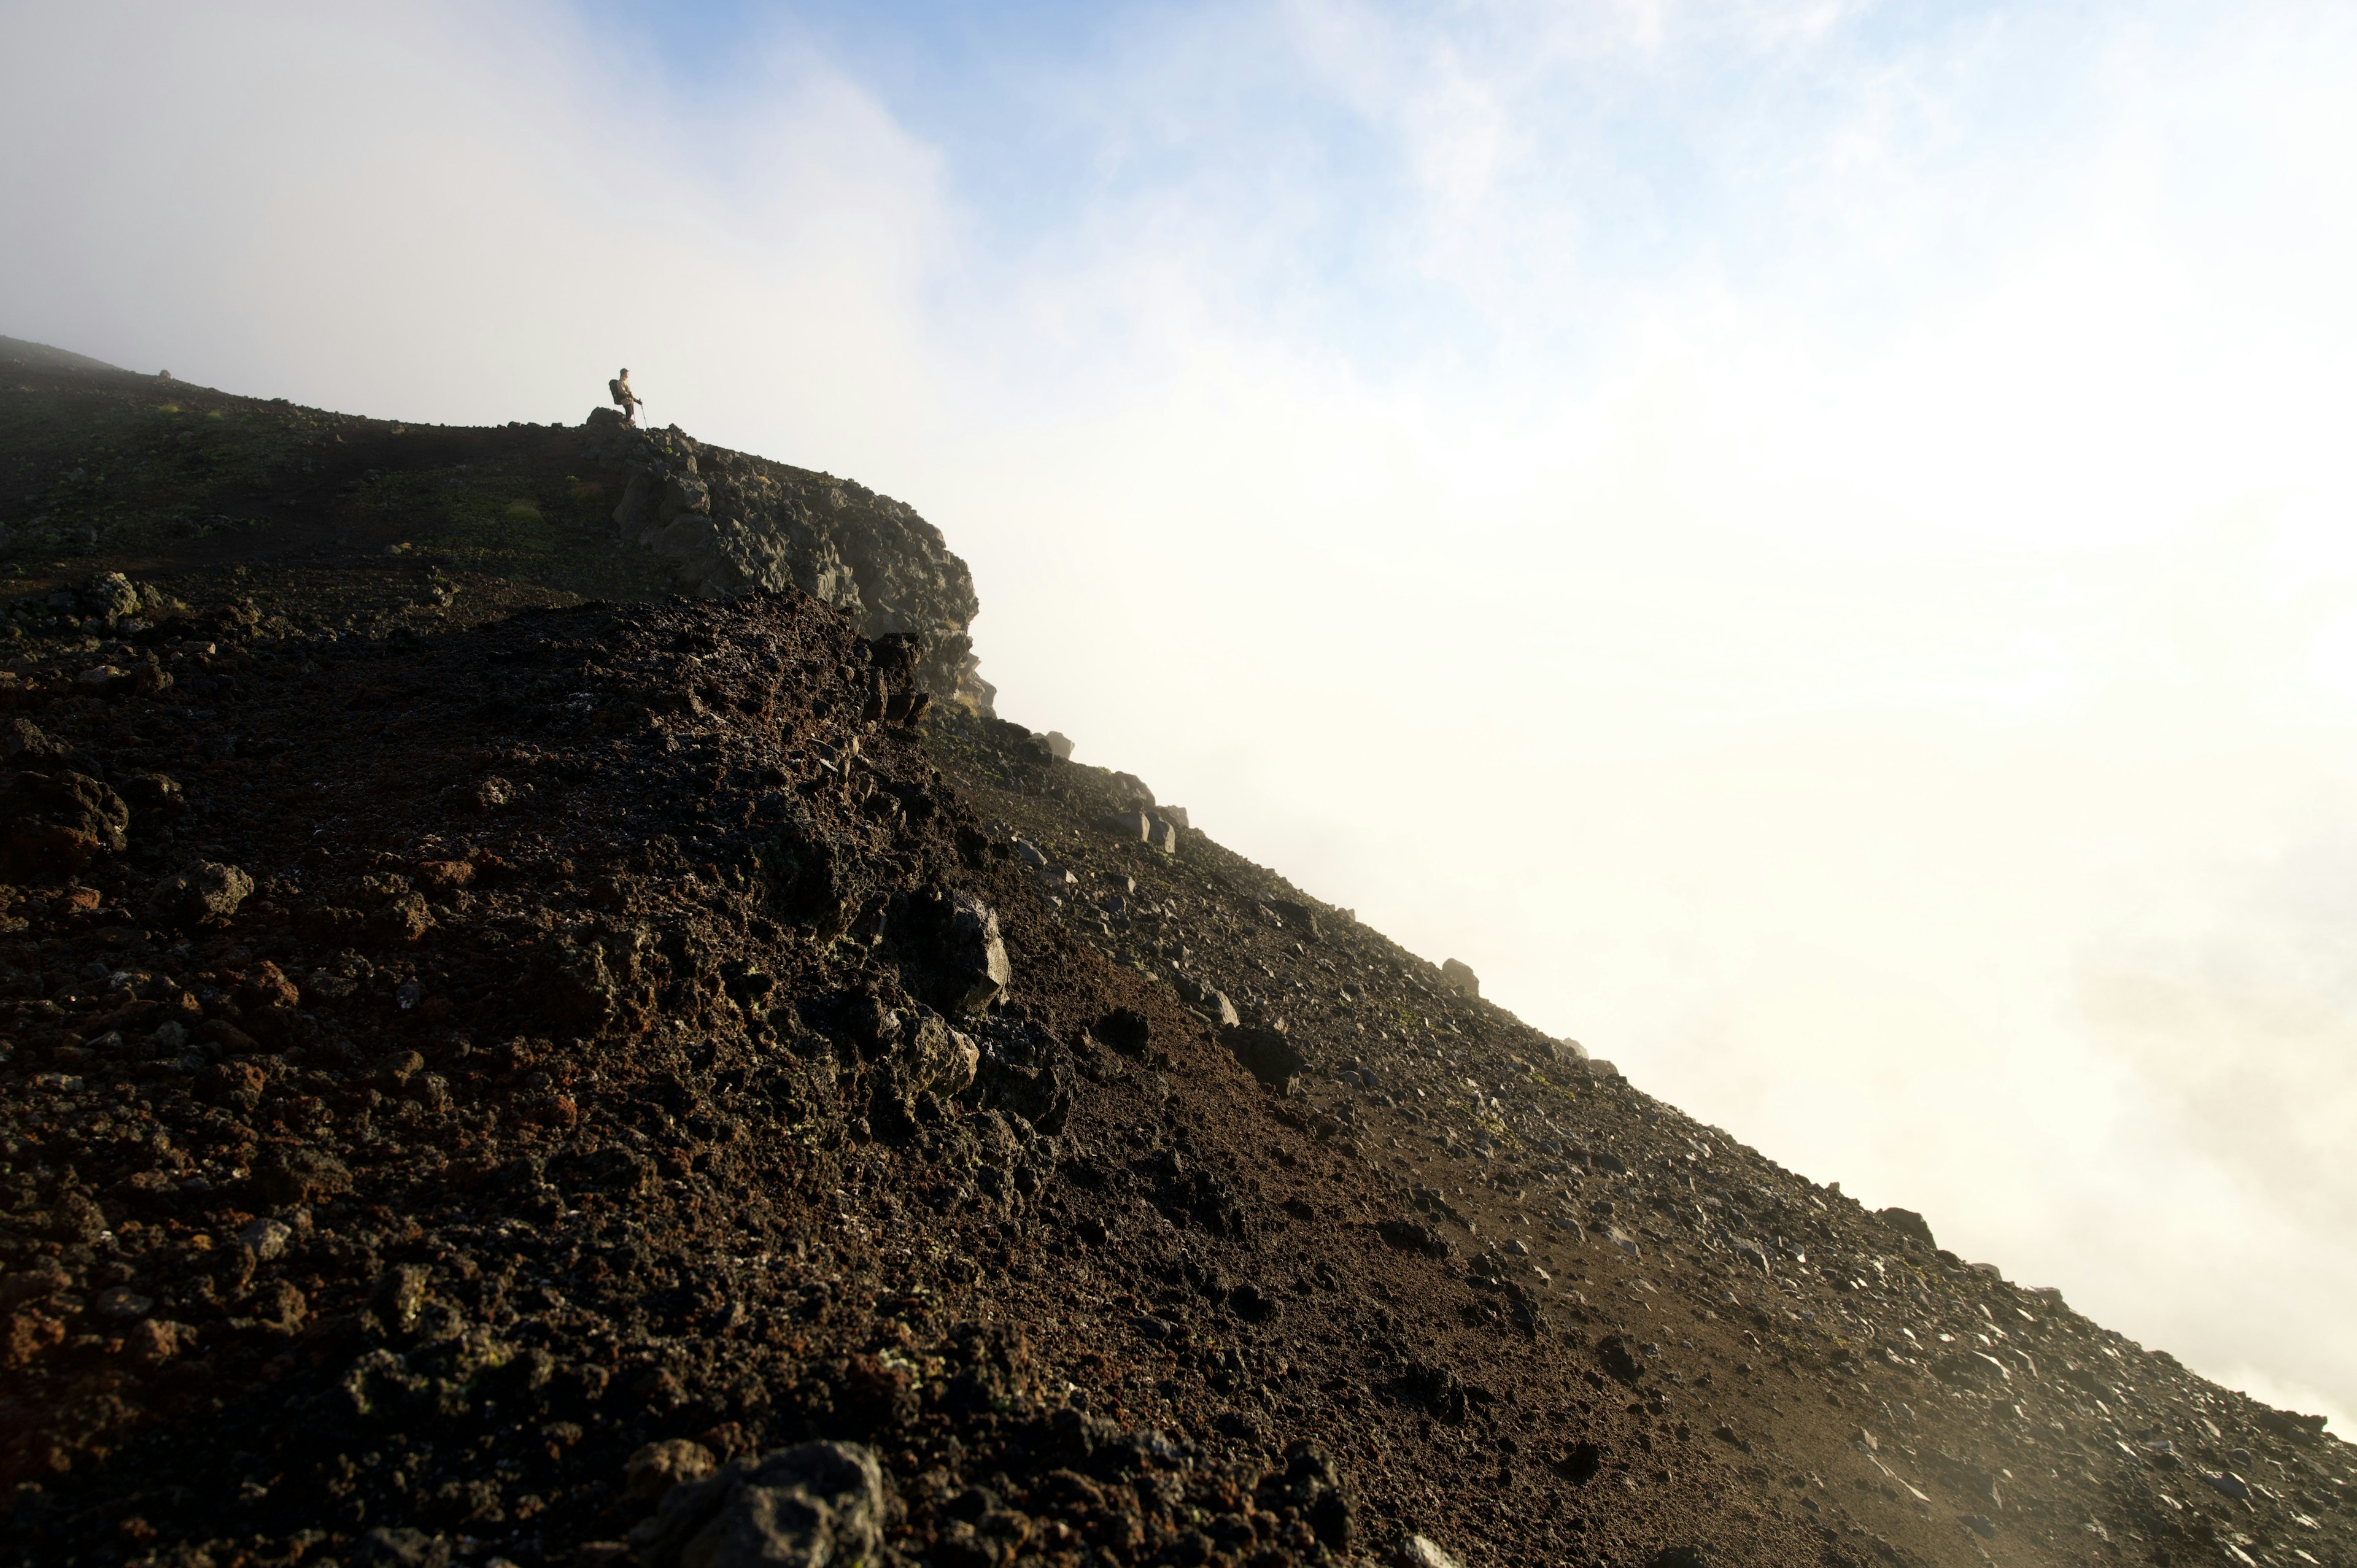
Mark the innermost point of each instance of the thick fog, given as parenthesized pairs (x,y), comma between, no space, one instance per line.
(1813,545)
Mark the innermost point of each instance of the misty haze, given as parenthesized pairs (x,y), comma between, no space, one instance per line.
(1306,782)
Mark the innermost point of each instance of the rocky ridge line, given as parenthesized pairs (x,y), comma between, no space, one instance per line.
(737,525)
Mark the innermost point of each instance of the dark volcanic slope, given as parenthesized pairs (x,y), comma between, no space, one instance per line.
(578,1074)
(1835,1358)
(468,1063)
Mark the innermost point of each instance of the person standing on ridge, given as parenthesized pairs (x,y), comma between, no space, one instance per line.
(625,399)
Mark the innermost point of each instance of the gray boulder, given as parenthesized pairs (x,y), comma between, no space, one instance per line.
(1059,745)
(819,1505)
(978,970)
(1459,977)
(1208,1000)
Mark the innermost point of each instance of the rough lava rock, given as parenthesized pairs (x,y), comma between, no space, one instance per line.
(738,524)
(818,1505)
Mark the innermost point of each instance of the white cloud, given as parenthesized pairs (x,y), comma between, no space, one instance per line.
(462,214)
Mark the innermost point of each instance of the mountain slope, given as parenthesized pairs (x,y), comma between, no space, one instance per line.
(475,1058)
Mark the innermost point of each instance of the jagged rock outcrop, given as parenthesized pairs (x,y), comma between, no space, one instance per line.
(737,525)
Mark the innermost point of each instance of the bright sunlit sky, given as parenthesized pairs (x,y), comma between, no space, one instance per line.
(1813,544)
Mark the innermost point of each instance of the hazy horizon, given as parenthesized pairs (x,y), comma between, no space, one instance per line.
(1809,544)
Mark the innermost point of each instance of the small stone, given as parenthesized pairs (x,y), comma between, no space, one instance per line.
(399,1294)
(22,740)
(278,1306)
(1613,1353)
(110,596)
(492,794)
(1207,999)
(56,823)
(657,1467)
(265,1238)
(402,1547)
(1296,917)
(156,1340)
(444,876)
(207,894)
(151,792)
(1459,977)
(1268,1056)
(1679,1557)
(403,922)
(299,1177)
(122,1304)
(1421,1552)
(2227,1483)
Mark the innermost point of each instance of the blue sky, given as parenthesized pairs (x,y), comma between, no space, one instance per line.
(1809,541)
(1624,154)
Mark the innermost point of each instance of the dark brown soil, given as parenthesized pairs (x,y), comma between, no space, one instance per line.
(580,1071)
